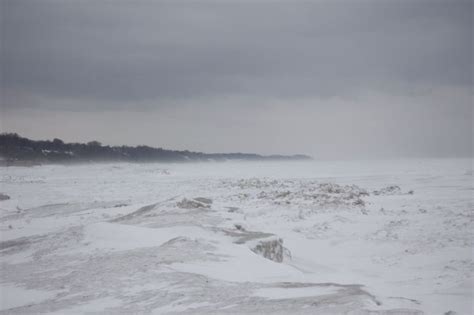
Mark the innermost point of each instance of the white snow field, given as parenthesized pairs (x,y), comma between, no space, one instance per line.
(359,237)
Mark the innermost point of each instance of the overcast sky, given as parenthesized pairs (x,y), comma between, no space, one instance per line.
(333,79)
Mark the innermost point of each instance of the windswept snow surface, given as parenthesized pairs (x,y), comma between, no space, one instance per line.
(360,237)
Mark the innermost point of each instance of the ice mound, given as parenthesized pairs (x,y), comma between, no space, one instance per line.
(348,190)
(24,179)
(254,183)
(187,212)
(136,214)
(270,248)
(195,203)
(206,201)
(268,245)
(305,194)
(390,190)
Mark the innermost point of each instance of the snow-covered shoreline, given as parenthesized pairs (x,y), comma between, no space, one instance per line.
(356,237)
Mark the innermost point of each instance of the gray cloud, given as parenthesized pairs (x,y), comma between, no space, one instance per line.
(157,50)
(169,56)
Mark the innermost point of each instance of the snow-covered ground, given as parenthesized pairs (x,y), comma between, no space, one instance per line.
(360,237)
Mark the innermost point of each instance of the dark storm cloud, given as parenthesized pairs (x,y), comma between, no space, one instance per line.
(335,79)
(113,53)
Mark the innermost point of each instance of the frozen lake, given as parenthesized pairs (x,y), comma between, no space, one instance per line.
(319,237)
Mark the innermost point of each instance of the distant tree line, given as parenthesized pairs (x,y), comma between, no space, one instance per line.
(15,149)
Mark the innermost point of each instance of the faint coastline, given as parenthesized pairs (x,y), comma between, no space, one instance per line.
(19,151)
